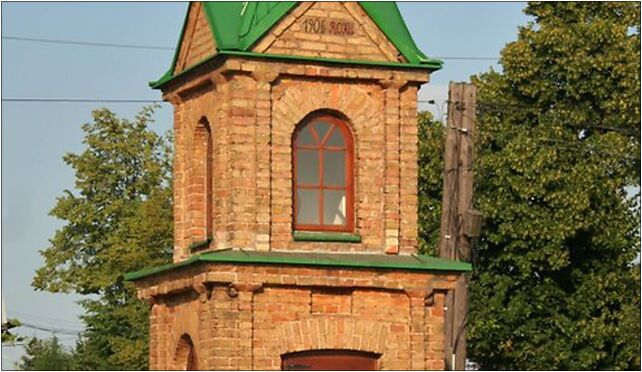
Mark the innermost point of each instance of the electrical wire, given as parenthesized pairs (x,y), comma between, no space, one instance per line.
(500,106)
(83,100)
(87,43)
(42,318)
(168,48)
(64,331)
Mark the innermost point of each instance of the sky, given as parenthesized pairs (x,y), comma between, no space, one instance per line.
(35,136)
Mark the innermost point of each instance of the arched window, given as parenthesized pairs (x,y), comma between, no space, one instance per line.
(185,357)
(323,175)
(200,191)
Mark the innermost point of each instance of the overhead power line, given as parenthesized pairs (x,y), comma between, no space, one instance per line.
(81,100)
(87,43)
(168,48)
(53,330)
(41,318)
(506,107)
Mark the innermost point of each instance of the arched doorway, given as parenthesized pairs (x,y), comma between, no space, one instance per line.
(329,360)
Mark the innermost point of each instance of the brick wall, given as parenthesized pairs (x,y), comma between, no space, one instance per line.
(246,317)
(252,109)
(329,29)
(198,42)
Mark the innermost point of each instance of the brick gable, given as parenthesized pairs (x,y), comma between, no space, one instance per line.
(197,43)
(339,30)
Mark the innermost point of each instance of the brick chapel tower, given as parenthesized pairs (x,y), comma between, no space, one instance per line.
(295,194)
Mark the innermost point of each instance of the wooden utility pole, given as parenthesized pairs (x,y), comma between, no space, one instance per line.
(459,222)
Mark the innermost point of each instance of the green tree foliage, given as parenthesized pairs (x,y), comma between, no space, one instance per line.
(7,336)
(46,355)
(118,220)
(559,143)
(431,135)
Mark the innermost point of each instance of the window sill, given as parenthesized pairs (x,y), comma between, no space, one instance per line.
(200,245)
(325,236)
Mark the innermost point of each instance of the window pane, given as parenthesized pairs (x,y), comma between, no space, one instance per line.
(334,207)
(307,207)
(307,167)
(334,168)
(336,139)
(304,137)
(322,129)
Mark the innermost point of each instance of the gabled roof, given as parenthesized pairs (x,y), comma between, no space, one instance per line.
(237,26)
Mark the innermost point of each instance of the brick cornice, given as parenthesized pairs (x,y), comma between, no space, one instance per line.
(240,280)
(395,83)
(173,98)
(437,286)
(264,76)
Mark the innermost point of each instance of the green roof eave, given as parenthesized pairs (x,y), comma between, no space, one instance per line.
(431,64)
(168,76)
(364,261)
(387,16)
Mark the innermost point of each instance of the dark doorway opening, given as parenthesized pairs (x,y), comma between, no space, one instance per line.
(329,360)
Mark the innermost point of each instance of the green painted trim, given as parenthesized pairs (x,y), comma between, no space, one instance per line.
(354,260)
(432,67)
(130,276)
(325,236)
(432,64)
(387,17)
(168,76)
(200,244)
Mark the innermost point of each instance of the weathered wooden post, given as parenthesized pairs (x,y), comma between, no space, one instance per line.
(460,223)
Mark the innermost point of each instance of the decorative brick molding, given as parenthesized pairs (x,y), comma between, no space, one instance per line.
(338,332)
(293,101)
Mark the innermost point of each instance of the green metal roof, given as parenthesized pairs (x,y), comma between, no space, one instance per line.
(354,260)
(237,26)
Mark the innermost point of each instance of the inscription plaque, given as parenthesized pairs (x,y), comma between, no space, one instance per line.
(318,25)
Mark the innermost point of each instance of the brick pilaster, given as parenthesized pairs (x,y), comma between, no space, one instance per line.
(154,333)
(222,192)
(435,358)
(417,328)
(242,161)
(263,133)
(245,293)
(409,168)
(163,357)
(180,173)
(392,171)
(225,341)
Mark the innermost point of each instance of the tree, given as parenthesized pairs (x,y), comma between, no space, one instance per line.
(7,336)
(46,355)
(119,220)
(559,143)
(431,135)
